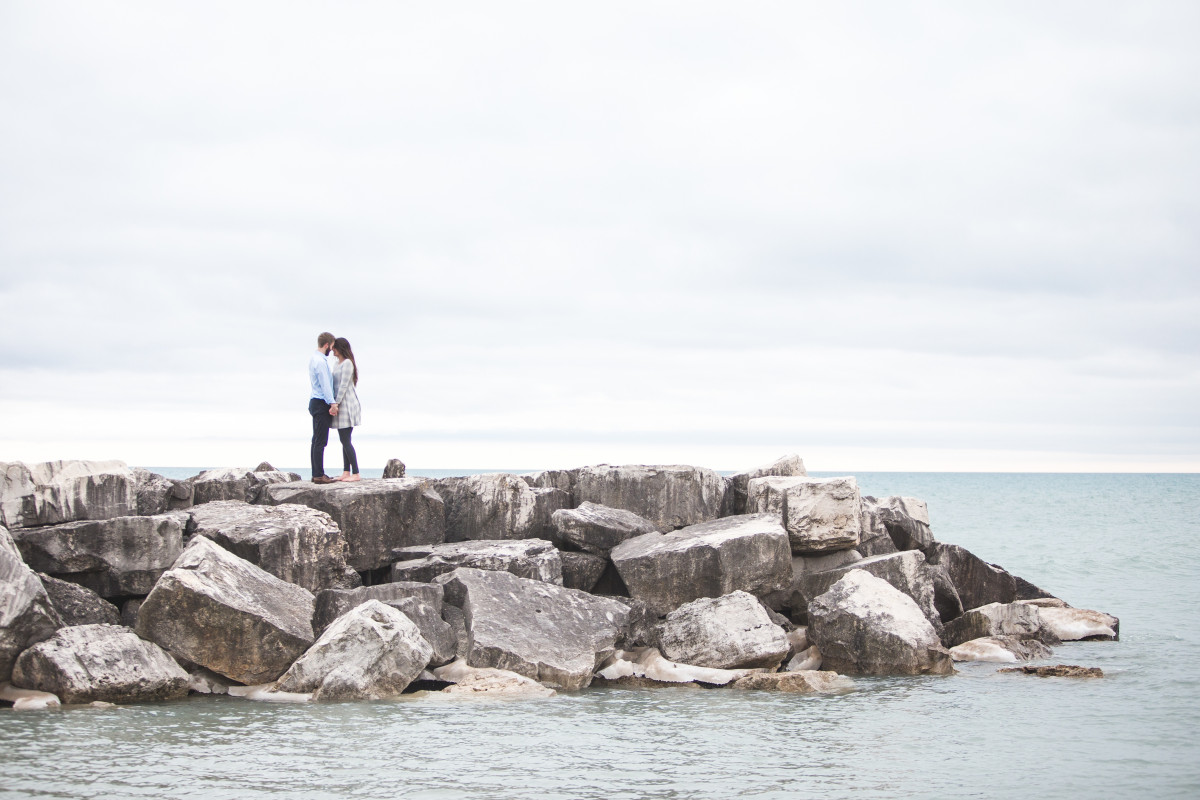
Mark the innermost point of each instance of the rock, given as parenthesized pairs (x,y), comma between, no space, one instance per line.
(945,596)
(370,652)
(997,619)
(159,495)
(204,681)
(582,570)
(790,466)
(1059,671)
(977,582)
(797,640)
(748,552)
(820,514)
(805,565)
(129,612)
(375,516)
(77,605)
(535,559)
(27,699)
(907,522)
(648,664)
(671,497)
(799,682)
(1072,624)
(457,621)
(597,529)
(64,491)
(497,506)
(440,635)
(728,632)
(294,543)
(905,571)
(1000,649)
(561,479)
(1027,591)
(485,681)
(330,604)
(394,468)
(864,625)
(874,539)
(26,613)
(223,613)
(234,483)
(109,663)
(807,659)
(114,557)
(554,635)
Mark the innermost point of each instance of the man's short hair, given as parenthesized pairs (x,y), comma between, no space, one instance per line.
(324,339)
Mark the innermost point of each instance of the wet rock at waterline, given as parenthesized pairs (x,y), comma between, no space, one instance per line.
(26,614)
(998,619)
(1000,649)
(728,632)
(1073,624)
(806,681)
(1058,671)
(536,559)
(469,681)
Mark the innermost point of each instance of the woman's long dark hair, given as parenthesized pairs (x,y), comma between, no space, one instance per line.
(342,346)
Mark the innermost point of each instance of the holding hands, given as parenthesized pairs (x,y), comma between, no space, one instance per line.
(333,410)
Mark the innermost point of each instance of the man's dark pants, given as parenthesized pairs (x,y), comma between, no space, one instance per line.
(321,421)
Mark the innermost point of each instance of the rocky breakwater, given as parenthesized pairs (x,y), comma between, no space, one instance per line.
(248,582)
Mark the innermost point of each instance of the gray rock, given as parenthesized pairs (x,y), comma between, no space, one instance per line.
(748,552)
(807,681)
(454,617)
(597,529)
(330,604)
(394,468)
(498,506)
(865,626)
(64,491)
(158,495)
(582,570)
(1073,624)
(790,466)
(375,516)
(907,522)
(234,483)
(820,514)
(729,632)
(1000,649)
(905,571)
(294,543)
(129,612)
(113,557)
(77,605)
(561,479)
(26,614)
(536,559)
(440,635)
(106,663)
(554,635)
(945,596)
(874,539)
(221,612)
(997,619)
(369,653)
(1027,591)
(669,496)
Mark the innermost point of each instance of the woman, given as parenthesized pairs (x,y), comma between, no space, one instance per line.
(345,378)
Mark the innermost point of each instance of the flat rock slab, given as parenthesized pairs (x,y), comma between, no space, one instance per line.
(330,604)
(549,633)
(597,529)
(293,542)
(535,559)
(375,516)
(227,615)
(113,557)
(821,514)
(671,497)
(498,506)
(235,483)
(1059,671)
(53,492)
(26,613)
(107,663)
(906,571)
(712,559)
(729,632)
(78,605)
(807,681)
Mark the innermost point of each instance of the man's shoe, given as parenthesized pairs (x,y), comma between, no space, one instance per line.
(322,479)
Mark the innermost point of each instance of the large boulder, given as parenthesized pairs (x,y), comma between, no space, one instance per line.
(333,603)
(26,613)
(236,483)
(498,506)
(554,635)
(790,466)
(977,582)
(440,634)
(375,516)
(669,496)
(227,615)
(748,552)
(536,559)
(874,539)
(597,529)
(64,491)
(107,663)
(863,625)
(820,514)
(112,557)
(562,479)
(582,570)
(78,605)
(295,543)
(729,632)
(997,619)
(905,571)
(370,652)
(157,494)
(906,520)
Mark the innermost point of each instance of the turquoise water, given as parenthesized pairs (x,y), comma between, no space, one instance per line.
(1126,544)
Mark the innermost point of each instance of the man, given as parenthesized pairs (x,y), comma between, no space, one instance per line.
(321,405)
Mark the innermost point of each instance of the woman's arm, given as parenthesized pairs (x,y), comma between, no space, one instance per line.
(345,378)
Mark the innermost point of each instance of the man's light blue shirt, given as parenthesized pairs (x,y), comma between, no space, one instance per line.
(320,377)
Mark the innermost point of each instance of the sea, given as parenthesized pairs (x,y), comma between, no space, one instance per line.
(1124,544)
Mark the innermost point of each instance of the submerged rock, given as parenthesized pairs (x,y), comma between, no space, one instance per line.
(78,605)
(597,529)
(535,559)
(669,496)
(498,506)
(799,682)
(1059,671)
(54,492)
(26,614)
(728,632)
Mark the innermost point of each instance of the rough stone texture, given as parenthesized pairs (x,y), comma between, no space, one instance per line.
(454,617)
(536,559)
(554,635)
(78,605)
(484,681)
(905,571)
(294,543)
(129,612)
(106,663)
(53,492)
(440,635)
(375,516)
(159,495)
(1027,591)
(807,659)
(669,496)
(806,681)
(906,520)
(370,652)
(582,570)
(728,632)
(874,539)
(26,613)
(498,506)
(863,625)
(945,596)
(790,466)
(394,468)
(330,604)
(820,514)
(748,552)
(997,619)
(235,483)
(563,479)
(112,557)
(1072,624)
(1059,671)
(646,666)
(597,529)
(223,613)
(1000,649)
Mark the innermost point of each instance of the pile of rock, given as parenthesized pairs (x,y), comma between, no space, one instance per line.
(119,585)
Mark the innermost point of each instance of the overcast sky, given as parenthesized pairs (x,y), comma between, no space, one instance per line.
(898,236)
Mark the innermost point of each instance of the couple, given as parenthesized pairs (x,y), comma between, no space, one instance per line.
(333,402)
